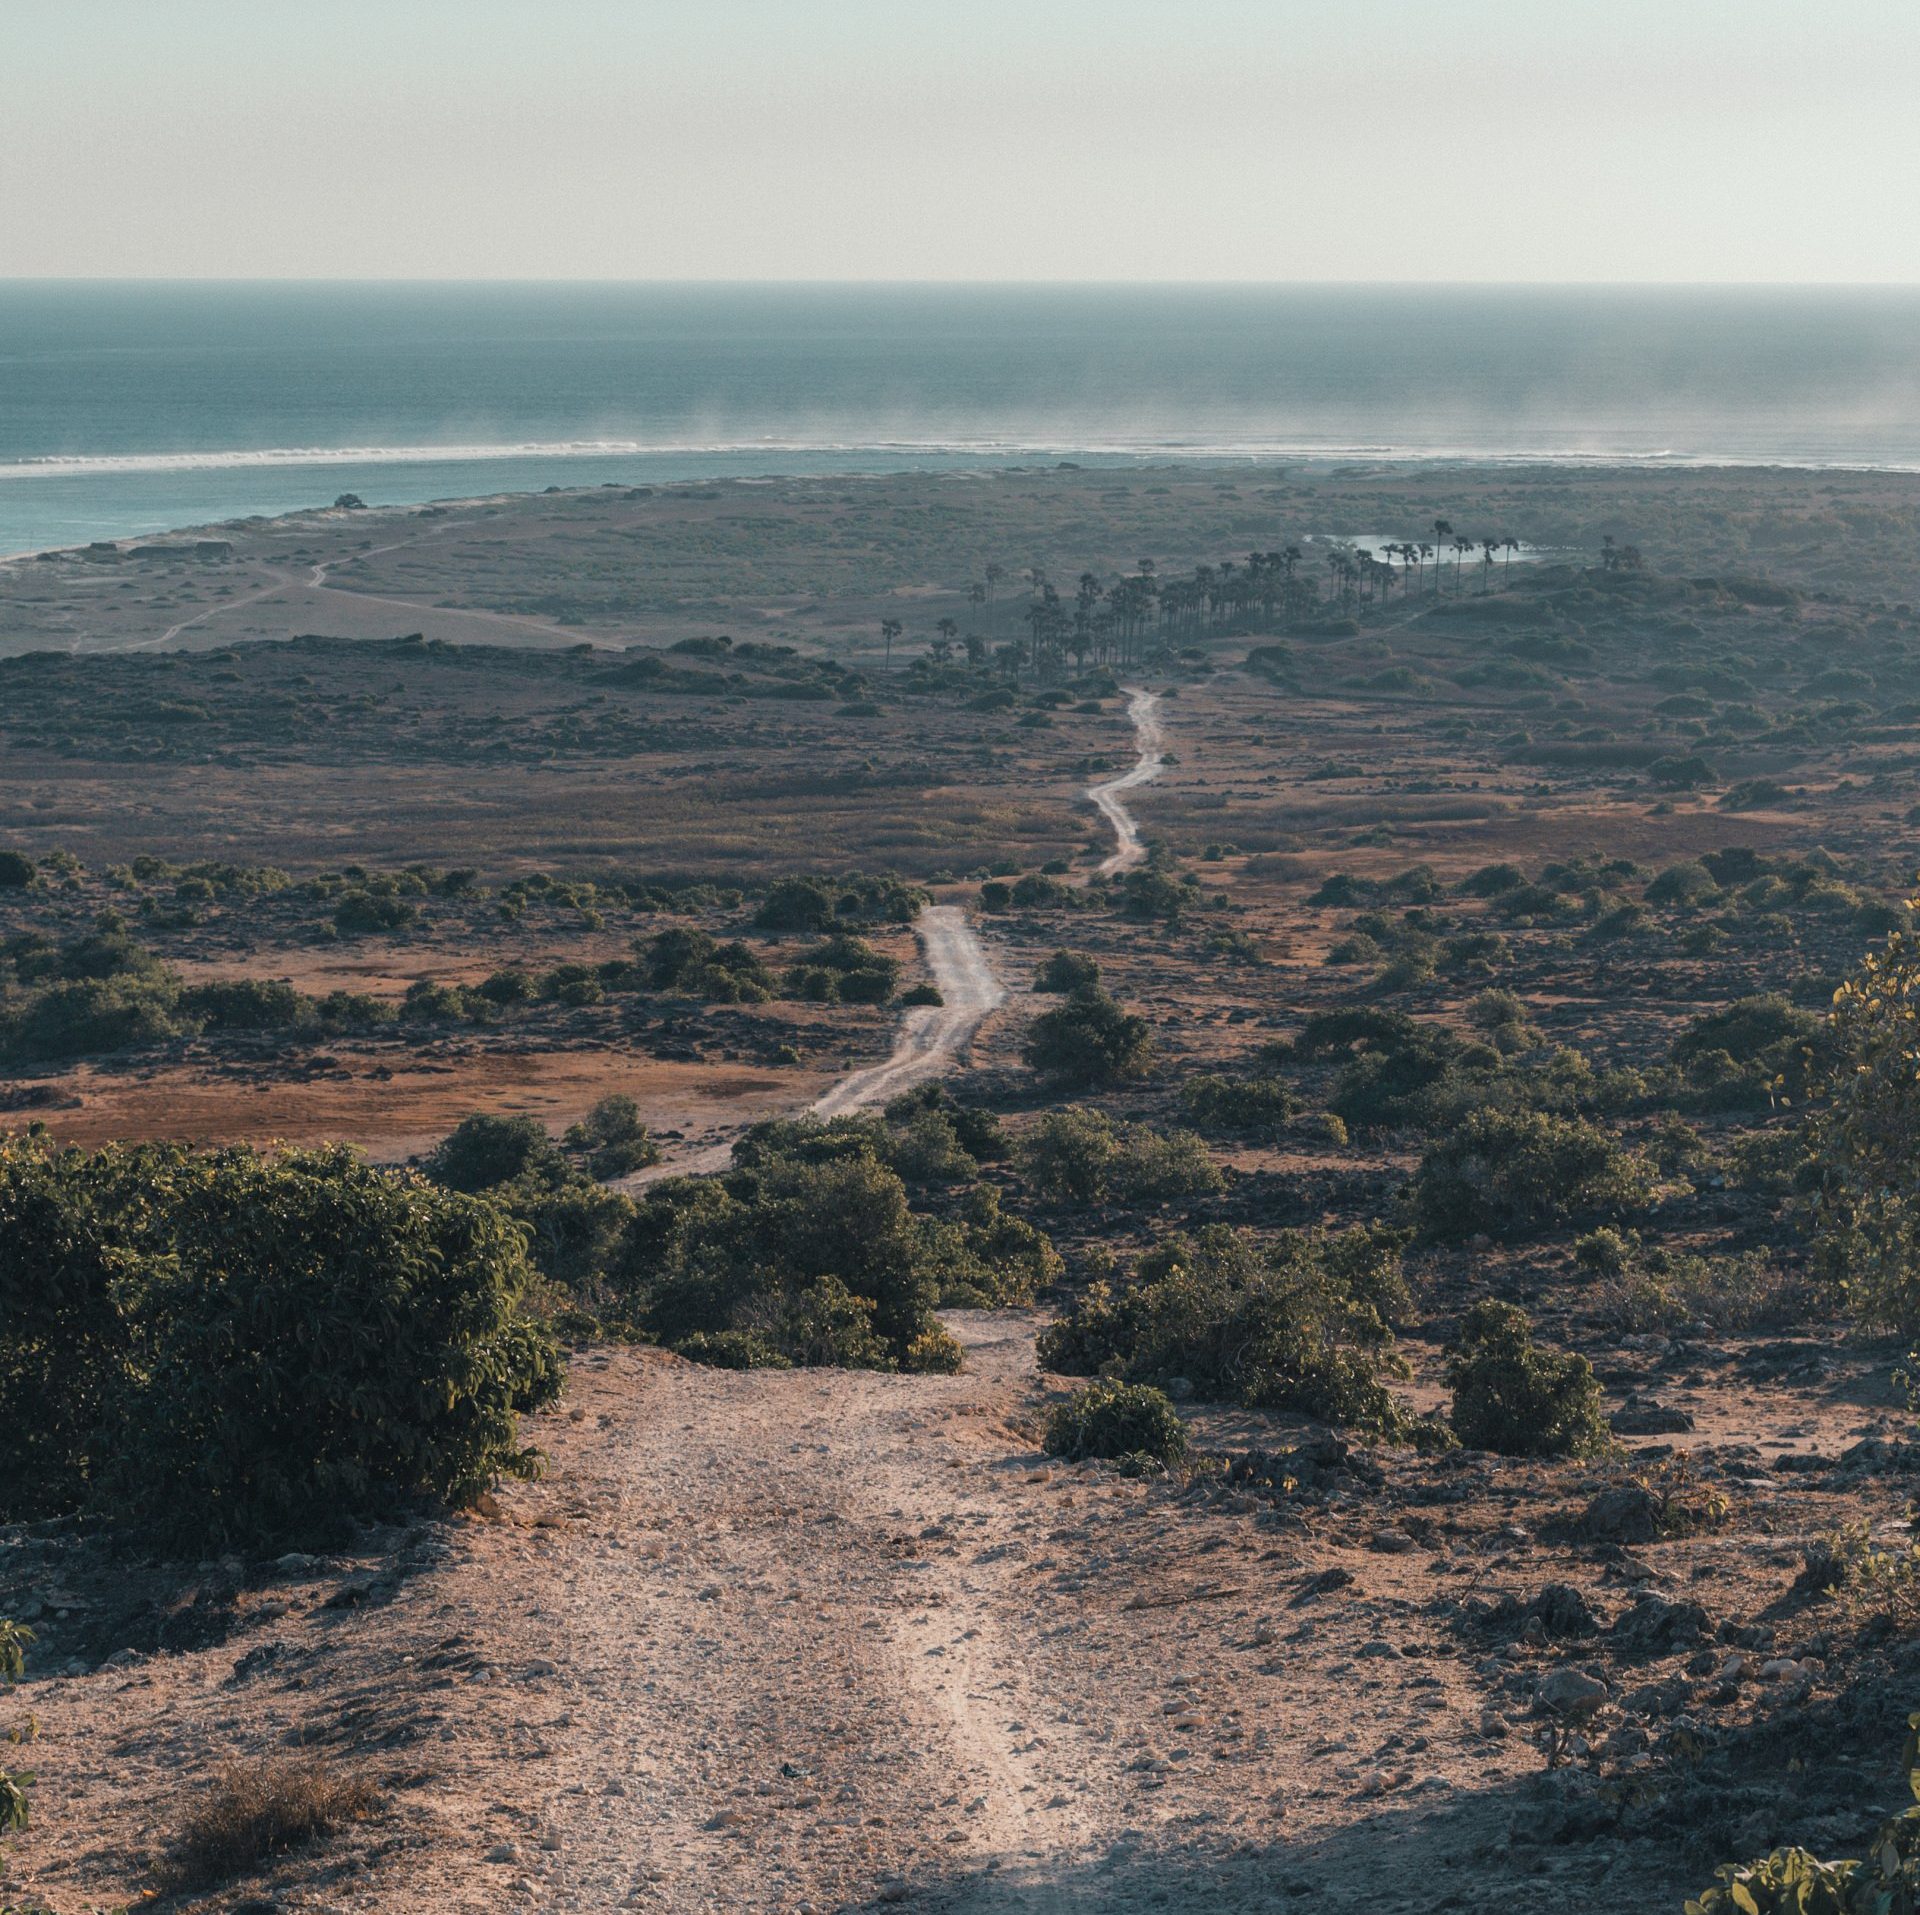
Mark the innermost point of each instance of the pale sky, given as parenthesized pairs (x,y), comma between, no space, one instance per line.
(1715,140)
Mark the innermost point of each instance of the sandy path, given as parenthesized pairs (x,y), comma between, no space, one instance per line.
(931,1036)
(1143,707)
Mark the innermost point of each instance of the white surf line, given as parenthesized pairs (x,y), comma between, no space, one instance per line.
(930,1037)
(1143,707)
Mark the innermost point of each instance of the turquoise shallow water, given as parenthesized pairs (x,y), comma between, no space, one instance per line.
(131,407)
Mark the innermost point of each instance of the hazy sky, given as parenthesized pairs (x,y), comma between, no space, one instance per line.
(962,139)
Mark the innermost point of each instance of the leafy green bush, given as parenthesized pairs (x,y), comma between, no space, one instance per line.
(613,1139)
(86,1017)
(1066,972)
(1147,893)
(1117,1420)
(1688,884)
(1238,1103)
(17,871)
(817,1256)
(365,913)
(247,1004)
(1512,1396)
(854,972)
(1300,1323)
(150,1298)
(693,962)
(1079,1157)
(1090,1040)
(488,1149)
(1512,1172)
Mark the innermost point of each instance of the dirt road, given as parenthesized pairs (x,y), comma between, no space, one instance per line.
(817,1641)
(1143,707)
(932,1037)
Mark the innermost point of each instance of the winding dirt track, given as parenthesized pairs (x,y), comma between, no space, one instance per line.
(932,1037)
(1143,707)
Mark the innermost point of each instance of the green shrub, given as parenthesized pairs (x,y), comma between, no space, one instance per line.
(1227,1103)
(150,1300)
(1512,1172)
(1511,1396)
(731,1350)
(1688,884)
(1300,1323)
(247,1004)
(1117,1420)
(821,1259)
(354,1010)
(1147,893)
(17,871)
(363,913)
(613,1139)
(1066,972)
(1079,1157)
(86,1017)
(693,962)
(921,994)
(488,1149)
(1090,1040)
(511,986)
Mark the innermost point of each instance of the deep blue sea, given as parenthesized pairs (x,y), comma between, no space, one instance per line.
(132,407)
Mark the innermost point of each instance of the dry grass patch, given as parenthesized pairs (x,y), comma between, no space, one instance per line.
(259,1808)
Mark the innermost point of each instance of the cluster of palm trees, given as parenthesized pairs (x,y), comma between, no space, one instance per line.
(1143,612)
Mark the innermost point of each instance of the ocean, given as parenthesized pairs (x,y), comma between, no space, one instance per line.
(133,407)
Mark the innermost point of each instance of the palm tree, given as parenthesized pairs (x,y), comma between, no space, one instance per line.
(948,631)
(994,575)
(976,595)
(889,631)
(1442,532)
(1487,549)
(1512,546)
(1461,547)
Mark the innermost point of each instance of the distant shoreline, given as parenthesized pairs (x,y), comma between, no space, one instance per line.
(956,462)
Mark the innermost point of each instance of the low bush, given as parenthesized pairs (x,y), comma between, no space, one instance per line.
(810,1247)
(1090,1040)
(1300,1323)
(150,1297)
(87,1017)
(612,1139)
(247,1004)
(489,1148)
(1131,1422)
(1066,972)
(1079,1157)
(1511,1396)
(367,913)
(17,871)
(1238,1103)
(693,962)
(1509,1173)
